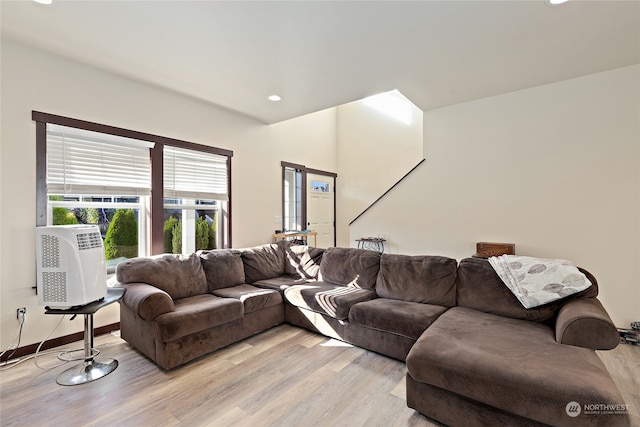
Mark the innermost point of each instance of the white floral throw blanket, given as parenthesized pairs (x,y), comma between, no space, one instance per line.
(537,281)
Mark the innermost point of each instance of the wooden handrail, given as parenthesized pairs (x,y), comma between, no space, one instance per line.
(386,192)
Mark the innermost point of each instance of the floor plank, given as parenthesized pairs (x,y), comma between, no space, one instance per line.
(623,363)
(285,376)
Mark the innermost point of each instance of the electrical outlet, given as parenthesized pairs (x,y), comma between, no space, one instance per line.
(22,311)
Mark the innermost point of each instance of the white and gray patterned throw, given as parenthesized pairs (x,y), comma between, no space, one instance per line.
(538,281)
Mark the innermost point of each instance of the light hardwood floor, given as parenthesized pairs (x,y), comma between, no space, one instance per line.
(282,377)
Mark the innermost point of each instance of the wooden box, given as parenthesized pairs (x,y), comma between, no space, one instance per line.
(489,249)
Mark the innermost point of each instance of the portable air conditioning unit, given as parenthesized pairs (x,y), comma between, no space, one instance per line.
(71,269)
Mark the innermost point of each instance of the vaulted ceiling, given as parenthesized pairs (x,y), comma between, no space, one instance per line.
(317,55)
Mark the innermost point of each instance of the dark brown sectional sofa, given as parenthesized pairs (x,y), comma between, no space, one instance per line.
(474,355)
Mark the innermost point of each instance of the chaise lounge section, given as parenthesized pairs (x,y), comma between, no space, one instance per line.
(484,363)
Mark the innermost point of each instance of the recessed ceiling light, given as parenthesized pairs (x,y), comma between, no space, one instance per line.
(556,2)
(43,1)
(274,98)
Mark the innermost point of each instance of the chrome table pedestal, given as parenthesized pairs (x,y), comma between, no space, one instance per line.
(91,369)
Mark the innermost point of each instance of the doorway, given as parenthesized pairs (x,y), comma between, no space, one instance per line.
(309,202)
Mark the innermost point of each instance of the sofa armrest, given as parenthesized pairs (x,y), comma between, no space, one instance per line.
(585,323)
(146,300)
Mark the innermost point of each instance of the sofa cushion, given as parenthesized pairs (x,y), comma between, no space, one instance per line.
(253,298)
(195,314)
(425,279)
(409,319)
(478,286)
(510,364)
(180,276)
(223,268)
(324,298)
(281,283)
(303,261)
(357,268)
(264,262)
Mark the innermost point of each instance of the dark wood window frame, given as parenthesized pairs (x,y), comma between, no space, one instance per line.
(157,160)
(305,170)
(297,168)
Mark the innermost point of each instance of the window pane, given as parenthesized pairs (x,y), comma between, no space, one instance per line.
(292,199)
(190,225)
(117,217)
(319,186)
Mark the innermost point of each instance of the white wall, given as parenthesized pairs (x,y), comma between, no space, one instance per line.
(308,140)
(562,163)
(554,169)
(374,152)
(34,80)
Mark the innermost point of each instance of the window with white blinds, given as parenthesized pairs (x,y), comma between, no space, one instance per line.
(192,174)
(84,162)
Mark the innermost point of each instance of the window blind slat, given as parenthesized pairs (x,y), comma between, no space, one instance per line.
(190,174)
(84,164)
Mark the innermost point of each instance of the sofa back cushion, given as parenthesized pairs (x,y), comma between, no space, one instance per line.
(425,279)
(264,262)
(303,261)
(356,268)
(180,276)
(478,286)
(223,268)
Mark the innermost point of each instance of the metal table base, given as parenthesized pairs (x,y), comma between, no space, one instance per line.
(91,369)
